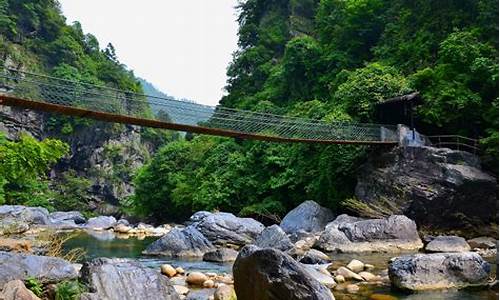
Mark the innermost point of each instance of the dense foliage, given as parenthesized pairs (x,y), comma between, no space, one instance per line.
(23,168)
(34,37)
(331,59)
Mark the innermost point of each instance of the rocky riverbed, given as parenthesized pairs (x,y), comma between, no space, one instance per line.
(312,254)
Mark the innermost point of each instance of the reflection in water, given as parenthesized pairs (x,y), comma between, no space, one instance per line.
(106,244)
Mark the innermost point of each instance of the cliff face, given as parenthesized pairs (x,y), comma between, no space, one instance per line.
(106,154)
(438,188)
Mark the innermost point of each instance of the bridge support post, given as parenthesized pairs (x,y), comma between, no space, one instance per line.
(409,137)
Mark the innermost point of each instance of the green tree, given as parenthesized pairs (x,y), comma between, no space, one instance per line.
(365,87)
(23,168)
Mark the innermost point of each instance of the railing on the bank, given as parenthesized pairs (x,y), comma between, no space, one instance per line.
(456,142)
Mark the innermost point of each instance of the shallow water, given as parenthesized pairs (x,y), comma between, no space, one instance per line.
(104,244)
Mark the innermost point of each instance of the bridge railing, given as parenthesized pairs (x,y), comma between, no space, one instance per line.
(98,101)
(456,142)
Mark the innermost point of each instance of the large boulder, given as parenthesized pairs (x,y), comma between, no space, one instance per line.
(349,234)
(308,216)
(18,218)
(274,237)
(67,218)
(436,187)
(121,279)
(273,275)
(46,269)
(447,244)
(101,223)
(181,242)
(31,215)
(438,271)
(225,228)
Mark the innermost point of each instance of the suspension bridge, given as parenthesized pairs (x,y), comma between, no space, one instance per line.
(84,100)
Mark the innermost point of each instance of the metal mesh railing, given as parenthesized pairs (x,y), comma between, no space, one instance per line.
(456,142)
(46,89)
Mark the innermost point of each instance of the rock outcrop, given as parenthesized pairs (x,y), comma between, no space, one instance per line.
(274,237)
(438,271)
(120,279)
(185,242)
(271,274)
(307,217)
(14,266)
(349,234)
(436,187)
(447,244)
(225,228)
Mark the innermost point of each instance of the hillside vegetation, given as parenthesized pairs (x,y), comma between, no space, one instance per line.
(331,59)
(322,59)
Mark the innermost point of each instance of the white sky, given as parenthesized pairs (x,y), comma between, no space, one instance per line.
(182,46)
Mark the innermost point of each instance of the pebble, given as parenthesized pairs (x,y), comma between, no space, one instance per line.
(339,279)
(348,274)
(225,292)
(368,276)
(208,284)
(196,278)
(168,270)
(352,288)
(356,266)
(181,290)
(179,270)
(369,267)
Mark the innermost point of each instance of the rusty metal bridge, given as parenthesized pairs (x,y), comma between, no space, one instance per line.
(80,99)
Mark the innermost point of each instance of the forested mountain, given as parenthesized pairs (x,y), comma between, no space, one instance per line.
(324,59)
(332,59)
(95,162)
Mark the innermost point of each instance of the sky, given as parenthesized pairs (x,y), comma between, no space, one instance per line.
(183,47)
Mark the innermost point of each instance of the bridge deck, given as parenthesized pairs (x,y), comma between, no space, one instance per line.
(54,95)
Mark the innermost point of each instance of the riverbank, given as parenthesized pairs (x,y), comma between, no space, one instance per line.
(352,258)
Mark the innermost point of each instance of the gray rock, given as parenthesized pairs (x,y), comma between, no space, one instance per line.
(204,294)
(392,234)
(314,272)
(70,219)
(436,187)
(198,216)
(29,215)
(121,279)
(67,216)
(308,216)
(315,257)
(447,244)
(274,237)
(221,255)
(46,269)
(271,274)
(101,223)
(123,222)
(225,228)
(185,242)
(438,271)
(483,242)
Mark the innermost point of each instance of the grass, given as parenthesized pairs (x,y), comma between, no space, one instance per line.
(55,246)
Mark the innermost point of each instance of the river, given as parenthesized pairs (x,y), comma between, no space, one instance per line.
(104,244)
